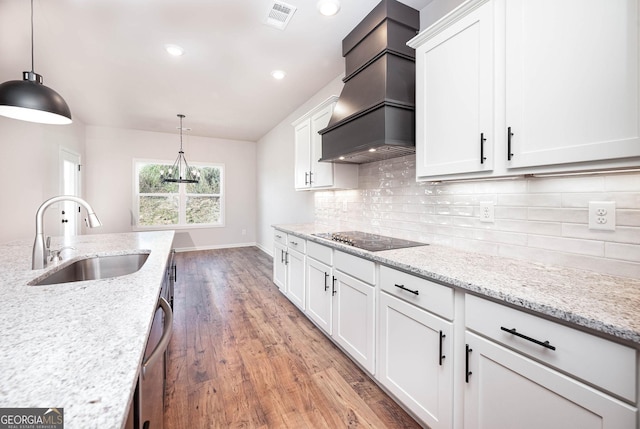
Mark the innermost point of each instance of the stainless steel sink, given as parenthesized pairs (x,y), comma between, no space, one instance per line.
(95,268)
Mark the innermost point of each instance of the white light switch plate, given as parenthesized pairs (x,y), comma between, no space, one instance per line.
(602,215)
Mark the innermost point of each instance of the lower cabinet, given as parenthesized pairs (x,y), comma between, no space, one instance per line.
(296,278)
(507,390)
(280,266)
(416,360)
(506,369)
(354,319)
(320,291)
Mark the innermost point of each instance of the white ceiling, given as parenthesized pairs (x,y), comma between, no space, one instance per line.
(107,59)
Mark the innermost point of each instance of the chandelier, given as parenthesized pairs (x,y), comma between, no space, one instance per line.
(180,172)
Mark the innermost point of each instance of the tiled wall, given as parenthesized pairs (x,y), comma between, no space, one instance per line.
(538,219)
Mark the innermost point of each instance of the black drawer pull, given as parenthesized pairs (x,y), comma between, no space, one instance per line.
(326,286)
(509,135)
(440,355)
(467,373)
(415,292)
(333,285)
(533,340)
(482,140)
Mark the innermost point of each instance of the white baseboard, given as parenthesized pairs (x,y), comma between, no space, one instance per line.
(214,247)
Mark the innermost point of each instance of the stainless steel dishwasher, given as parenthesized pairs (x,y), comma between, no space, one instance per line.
(149,396)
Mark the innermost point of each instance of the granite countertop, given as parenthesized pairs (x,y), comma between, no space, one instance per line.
(78,346)
(602,303)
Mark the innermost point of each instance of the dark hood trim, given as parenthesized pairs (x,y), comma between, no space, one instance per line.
(375,115)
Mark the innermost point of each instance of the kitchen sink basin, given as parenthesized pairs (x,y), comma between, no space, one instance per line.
(95,268)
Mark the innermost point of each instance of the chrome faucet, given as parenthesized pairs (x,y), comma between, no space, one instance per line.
(40,249)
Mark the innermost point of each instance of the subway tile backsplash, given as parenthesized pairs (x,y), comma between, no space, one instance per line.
(539,219)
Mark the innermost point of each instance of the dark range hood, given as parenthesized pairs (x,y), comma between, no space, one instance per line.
(374,118)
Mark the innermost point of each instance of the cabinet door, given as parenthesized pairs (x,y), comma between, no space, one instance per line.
(354,319)
(454,97)
(302,167)
(416,360)
(507,390)
(321,172)
(319,292)
(279,266)
(295,278)
(571,81)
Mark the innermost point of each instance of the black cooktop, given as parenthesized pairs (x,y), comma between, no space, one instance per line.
(368,241)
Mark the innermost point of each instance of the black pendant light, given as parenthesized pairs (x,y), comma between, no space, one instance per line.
(29,100)
(180,172)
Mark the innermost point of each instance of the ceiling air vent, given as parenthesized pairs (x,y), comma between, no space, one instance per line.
(279,14)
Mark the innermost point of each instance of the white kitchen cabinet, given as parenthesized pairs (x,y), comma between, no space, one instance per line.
(354,319)
(354,311)
(309,172)
(289,266)
(553,87)
(530,372)
(320,287)
(454,96)
(416,360)
(507,390)
(572,82)
(296,278)
(280,266)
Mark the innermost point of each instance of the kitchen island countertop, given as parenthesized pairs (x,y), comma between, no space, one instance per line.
(78,346)
(601,303)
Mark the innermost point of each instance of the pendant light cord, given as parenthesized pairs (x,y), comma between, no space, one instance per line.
(32,68)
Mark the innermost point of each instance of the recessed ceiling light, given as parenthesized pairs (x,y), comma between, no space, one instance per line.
(174,50)
(278,74)
(328,7)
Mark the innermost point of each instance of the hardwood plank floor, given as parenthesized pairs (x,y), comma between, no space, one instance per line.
(243,356)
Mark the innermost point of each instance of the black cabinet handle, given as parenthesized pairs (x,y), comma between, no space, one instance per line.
(286,258)
(175,273)
(415,292)
(310,178)
(326,286)
(440,355)
(333,286)
(467,373)
(533,340)
(281,256)
(482,140)
(509,135)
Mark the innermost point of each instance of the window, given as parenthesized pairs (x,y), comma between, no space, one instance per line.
(157,204)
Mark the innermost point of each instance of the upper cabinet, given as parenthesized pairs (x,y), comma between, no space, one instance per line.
(510,87)
(454,96)
(309,172)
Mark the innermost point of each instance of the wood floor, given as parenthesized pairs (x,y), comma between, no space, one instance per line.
(243,356)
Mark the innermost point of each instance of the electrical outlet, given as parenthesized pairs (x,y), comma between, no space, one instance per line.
(487,211)
(602,215)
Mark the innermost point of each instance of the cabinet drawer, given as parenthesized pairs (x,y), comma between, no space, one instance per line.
(320,253)
(296,243)
(604,363)
(355,266)
(280,237)
(431,296)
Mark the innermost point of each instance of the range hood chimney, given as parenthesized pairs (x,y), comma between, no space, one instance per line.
(374,118)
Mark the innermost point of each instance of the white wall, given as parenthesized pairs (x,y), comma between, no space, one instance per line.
(109,181)
(30,173)
(278,201)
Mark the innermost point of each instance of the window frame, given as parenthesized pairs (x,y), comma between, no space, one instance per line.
(182,198)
